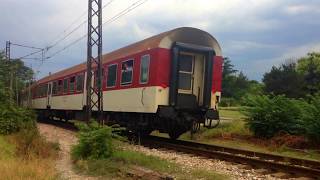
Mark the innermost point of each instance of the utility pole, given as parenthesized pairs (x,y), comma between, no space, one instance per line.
(8,44)
(8,50)
(94,60)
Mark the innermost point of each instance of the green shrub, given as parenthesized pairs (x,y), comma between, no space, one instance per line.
(268,116)
(227,102)
(312,120)
(13,118)
(95,142)
(30,144)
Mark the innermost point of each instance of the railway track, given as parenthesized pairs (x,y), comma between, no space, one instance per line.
(294,167)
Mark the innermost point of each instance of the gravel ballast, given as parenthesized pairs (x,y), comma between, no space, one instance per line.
(187,162)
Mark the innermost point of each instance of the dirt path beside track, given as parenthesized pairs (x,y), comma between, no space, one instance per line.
(65,139)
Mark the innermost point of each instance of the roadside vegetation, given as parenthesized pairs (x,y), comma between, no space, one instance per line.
(279,115)
(100,153)
(24,154)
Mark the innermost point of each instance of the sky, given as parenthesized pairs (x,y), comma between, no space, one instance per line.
(254,34)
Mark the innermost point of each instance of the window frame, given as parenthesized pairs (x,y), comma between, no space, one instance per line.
(54,88)
(149,62)
(63,88)
(82,83)
(107,75)
(187,91)
(74,83)
(127,83)
(95,79)
(60,87)
(45,90)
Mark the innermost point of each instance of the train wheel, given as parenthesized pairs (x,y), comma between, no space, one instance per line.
(211,123)
(145,132)
(173,135)
(195,127)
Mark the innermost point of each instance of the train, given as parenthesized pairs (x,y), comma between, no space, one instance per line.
(170,82)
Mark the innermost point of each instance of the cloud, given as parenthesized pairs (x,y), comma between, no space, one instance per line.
(298,9)
(259,66)
(254,34)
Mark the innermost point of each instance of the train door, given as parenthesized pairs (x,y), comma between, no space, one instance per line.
(191,74)
(198,77)
(49,94)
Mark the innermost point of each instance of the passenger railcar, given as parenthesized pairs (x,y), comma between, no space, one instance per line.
(170,82)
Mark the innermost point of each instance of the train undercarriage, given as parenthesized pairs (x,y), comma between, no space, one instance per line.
(166,120)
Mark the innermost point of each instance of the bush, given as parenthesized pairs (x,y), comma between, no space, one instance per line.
(227,130)
(29,144)
(13,118)
(312,120)
(227,102)
(268,116)
(95,142)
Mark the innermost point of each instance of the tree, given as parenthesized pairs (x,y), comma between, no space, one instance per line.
(228,77)
(234,85)
(309,67)
(228,68)
(284,80)
(21,74)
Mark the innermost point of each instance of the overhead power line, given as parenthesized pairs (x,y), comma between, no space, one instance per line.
(25,46)
(30,54)
(56,42)
(32,58)
(66,47)
(68,27)
(125,11)
(114,18)
(66,36)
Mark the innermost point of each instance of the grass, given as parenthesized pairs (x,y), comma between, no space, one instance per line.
(234,133)
(231,113)
(124,161)
(227,130)
(6,149)
(16,165)
(32,169)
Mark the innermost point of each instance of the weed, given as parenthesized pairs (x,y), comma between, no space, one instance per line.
(30,144)
(226,130)
(123,161)
(95,142)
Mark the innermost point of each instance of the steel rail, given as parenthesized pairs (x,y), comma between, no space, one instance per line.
(263,160)
(294,166)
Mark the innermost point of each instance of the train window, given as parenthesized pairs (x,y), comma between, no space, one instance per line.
(80,83)
(65,85)
(96,78)
(185,81)
(72,82)
(45,89)
(144,69)
(49,89)
(126,72)
(55,88)
(185,63)
(112,75)
(185,71)
(40,90)
(37,91)
(60,87)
